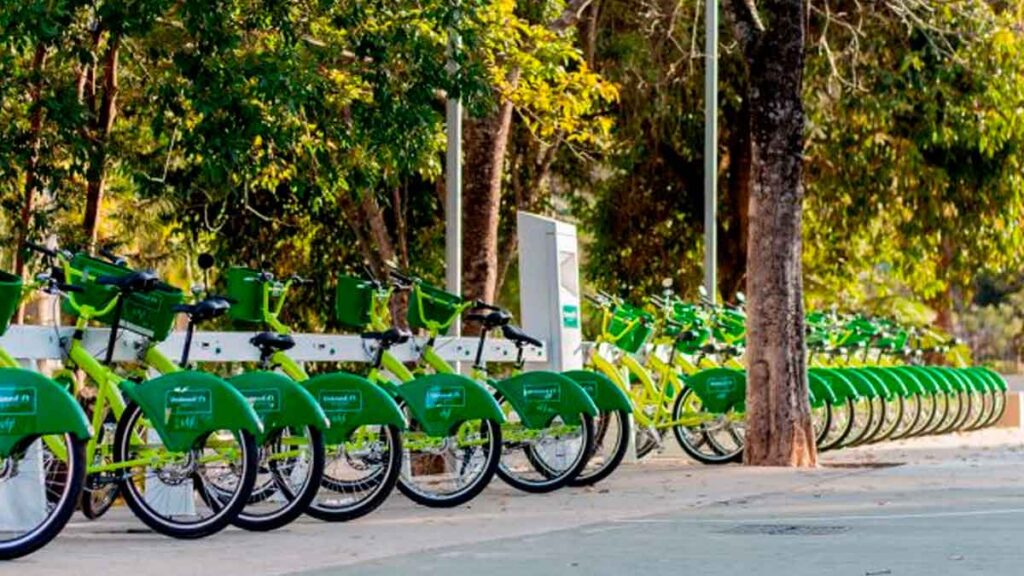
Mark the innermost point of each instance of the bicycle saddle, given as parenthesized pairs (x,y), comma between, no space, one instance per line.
(141,281)
(491,319)
(516,334)
(208,309)
(389,337)
(271,342)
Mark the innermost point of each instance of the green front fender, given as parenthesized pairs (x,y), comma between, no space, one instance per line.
(606,395)
(184,407)
(719,389)
(441,402)
(351,401)
(993,376)
(865,387)
(930,382)
(538,397)
(892,383)
(279,402)
(32,405)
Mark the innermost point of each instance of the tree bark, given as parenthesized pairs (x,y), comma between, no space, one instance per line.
(96,172)
(486,142)
(779,431)
(732,259)
(32,165)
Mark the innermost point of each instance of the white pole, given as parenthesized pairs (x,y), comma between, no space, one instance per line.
(711,149)
(453,185)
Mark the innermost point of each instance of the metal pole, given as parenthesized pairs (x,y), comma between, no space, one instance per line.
(453,186)
(711,149)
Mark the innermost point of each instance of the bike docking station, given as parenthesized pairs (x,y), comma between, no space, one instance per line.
(550,311)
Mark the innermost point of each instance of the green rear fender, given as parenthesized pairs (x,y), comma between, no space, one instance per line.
(279,402)
(892,383)
(32,405)
(720,389)
(184,407)
(994,379)
(820,390)
(441,402)
(838,385)
(538,397)
(606,395)
(351,401)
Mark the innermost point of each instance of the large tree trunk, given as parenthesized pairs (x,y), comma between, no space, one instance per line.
(97,172)
(779,431)
(486,141)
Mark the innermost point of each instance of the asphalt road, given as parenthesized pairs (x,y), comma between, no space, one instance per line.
(932,507)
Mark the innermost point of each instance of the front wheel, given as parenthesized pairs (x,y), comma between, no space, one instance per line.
(31,475)
(168,490)
(449,471)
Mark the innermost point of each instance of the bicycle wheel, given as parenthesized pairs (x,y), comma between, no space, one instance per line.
(912,410)
(31,470)
(611,440)
(359,474)
(701,440)
(999,409)
(449,471)
(542,460)
(839,426)
(168,491)
(821,419)
(892,416)
(290,469)
(101,488)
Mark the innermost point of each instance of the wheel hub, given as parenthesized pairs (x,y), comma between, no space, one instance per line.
(177,473)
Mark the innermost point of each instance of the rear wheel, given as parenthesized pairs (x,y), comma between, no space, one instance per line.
(449,471)
(611,440)
(359,474)
(839,426)
(168,490)
(48,488)
(542,460)
(711,438)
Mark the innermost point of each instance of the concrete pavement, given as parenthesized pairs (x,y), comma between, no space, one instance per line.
(950,505)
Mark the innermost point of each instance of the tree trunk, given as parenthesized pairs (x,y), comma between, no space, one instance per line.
(732,258)
(96,172)
(486,141)
(779,431)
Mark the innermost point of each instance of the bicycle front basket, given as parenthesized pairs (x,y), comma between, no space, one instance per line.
(150,314)
(431,308)
(246,290)
(630,338)
(353,302)
(10,296)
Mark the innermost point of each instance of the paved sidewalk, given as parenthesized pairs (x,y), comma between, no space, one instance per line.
(949,505)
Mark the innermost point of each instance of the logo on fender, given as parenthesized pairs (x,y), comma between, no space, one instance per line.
(441,396)
(17,401)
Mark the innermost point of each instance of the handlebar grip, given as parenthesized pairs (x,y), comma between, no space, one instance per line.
(70,288)
(113,258)
(296,279)
(486,306)
(476,317)
(41,249)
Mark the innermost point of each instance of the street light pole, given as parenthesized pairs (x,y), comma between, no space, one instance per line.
(453,186)
(711,149)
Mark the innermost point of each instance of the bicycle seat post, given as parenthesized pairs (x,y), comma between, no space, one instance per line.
(189,331)
(114,325)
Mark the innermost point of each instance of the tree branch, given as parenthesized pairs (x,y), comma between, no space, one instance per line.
(570,16)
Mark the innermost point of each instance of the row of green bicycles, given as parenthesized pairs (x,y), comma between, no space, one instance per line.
(192,451)
(258,444)
(870,379)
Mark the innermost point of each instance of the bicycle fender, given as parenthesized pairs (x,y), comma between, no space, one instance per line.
(351,401)
(837,384)
(185,406)
(819,390)
(279,402)
(891,382)
(441,402)
(32,405)
(538,397)
(719,389)
(606,395)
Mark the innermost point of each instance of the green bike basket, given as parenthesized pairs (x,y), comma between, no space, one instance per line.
(353,302)
(246,290)
(10,296)
(150,314)
(630,339)
(431,308)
